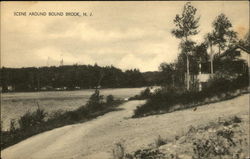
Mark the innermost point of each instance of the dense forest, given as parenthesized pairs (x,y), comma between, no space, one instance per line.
(73,77)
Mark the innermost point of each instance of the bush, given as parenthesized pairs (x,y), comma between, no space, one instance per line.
(145,94)
(160,141)
(216,145)
(163,100)
(34,123)
(13,125)
(236,119)
(149,154)
(95,101)
(32,119)
(110,99)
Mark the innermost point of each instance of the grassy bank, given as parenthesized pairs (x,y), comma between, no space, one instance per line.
(37,122)
(168,100)
(222,139)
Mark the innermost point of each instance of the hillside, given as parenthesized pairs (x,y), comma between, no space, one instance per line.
(96,138)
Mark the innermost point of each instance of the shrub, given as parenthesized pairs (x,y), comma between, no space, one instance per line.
(32,119)
(12,125)
(145,94)
(149,154)
(236,119)
(215,145)
(34,123)
(160,141)
(110,99)
(95,101)
(163,100)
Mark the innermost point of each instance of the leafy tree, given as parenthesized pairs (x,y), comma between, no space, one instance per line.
(211,40)
(199,56)
(200,52)
(186,26)
(222,33)
(168,72)
(245,42)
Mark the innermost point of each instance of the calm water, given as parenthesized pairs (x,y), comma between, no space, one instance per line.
(14,105)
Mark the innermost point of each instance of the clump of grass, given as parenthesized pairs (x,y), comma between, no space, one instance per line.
(145,94)
(220,143)
(13,126)
(212,141)
(118,151)
(32,119)
(216,145)
(236,119)
(149,154)
(159,141)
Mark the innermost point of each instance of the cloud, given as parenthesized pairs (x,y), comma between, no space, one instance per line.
(123,34)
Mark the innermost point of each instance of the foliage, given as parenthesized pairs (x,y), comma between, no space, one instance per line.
(145,94)
(34,123)
(148,154)
(222,34)
(186,26)
(160,141)
(209,148)
(218,144)
(118,151)
(13,125)
(174,73)
(211,141)
(164,100)
(167,73)
(32,119)
(186,23)
(110,99)
(245,42)
(95,101)
(69,77)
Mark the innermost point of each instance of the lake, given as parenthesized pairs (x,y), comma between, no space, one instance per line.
(14,105)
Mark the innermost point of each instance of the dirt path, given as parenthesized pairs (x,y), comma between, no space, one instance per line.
(95,139)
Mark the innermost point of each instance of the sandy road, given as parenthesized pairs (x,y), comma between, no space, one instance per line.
(95,139)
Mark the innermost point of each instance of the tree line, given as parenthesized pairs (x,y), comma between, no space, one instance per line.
(73,77)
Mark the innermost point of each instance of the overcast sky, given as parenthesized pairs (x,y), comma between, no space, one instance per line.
(124,34)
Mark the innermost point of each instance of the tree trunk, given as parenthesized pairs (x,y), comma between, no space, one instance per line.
(212,66)
(188,80)
(219,48)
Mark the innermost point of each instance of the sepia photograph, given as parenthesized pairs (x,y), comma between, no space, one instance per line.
(125,80)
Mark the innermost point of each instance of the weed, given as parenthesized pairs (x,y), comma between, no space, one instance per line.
(118,151)
(236,119)
(160,141)
(12,125)
(149,154)
(32,119)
